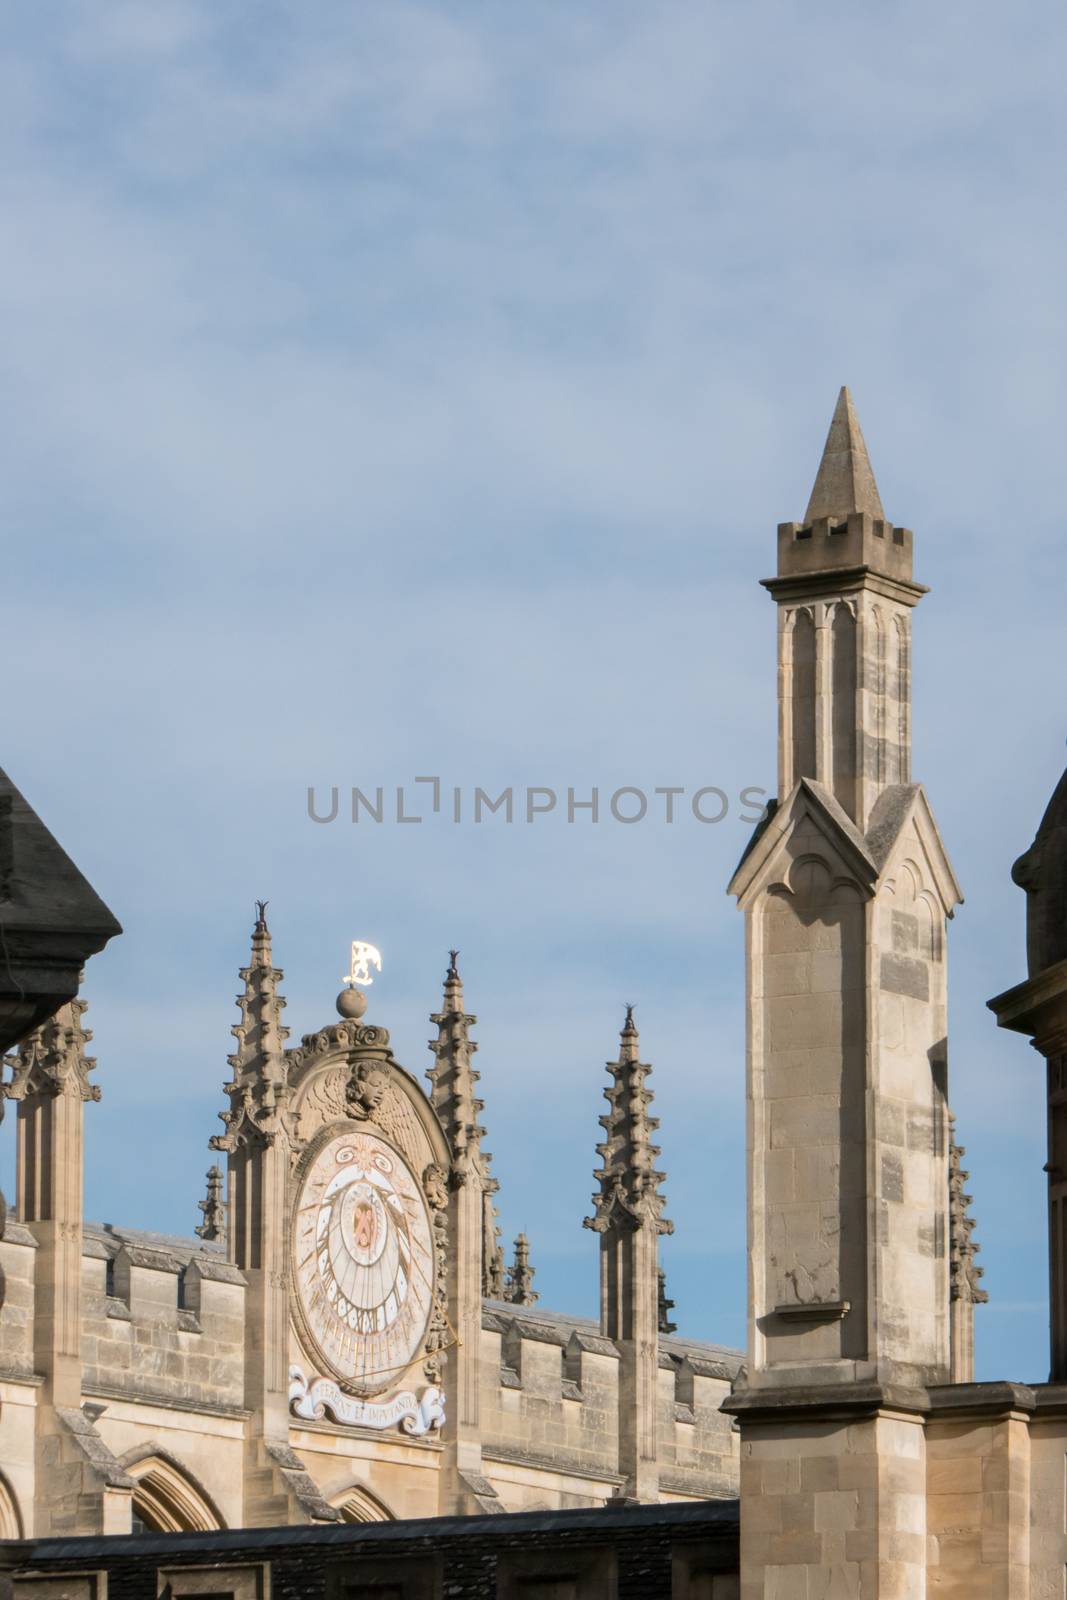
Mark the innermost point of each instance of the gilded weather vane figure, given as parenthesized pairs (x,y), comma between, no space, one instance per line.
(364,956)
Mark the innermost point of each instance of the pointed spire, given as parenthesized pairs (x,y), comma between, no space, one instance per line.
(213,1226)
(844,482)
(627,1175)
(259,1033)
(452,1080)
(665,1306)
(519,1290)
(964,1274)
(259,1087)
(53,1057)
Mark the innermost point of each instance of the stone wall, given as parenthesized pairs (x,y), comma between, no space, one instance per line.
(163,1352)
(697,1443)
(17,1250)
(550,1402)
(138,1341)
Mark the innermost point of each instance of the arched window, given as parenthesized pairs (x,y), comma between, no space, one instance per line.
(359,1505)
(10,1520)
(803,695)
(845,712)
(166,1500)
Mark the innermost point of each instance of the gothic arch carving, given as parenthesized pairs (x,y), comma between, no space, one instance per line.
(908,894)
(798,611)
(10,1516)
(802,698)
(844,710)
(167,1496)
(358,1504)
(814,881)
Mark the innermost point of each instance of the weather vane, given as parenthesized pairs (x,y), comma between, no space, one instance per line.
(364,956)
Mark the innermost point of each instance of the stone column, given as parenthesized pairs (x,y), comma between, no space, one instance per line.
(257,1144)
(471,1268)
(51,1085)
(78,1490)
(629,1219)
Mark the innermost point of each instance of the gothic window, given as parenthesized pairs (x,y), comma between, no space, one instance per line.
(359,1505)
(10,1521)
(803,695)
(843,653)
(166,1500)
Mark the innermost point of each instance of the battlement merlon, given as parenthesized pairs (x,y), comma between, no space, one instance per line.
(841,553)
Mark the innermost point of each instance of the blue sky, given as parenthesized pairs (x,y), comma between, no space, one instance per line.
(400,389)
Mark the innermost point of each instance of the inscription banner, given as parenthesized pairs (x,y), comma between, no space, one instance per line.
(316,1398)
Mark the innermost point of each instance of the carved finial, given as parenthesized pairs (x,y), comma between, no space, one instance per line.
(258,1090)
(52,1059)
(453,997)
(213,1226)
(631,1040)
(964,1274)
(519,1289)
(629,1181)
(664,1306)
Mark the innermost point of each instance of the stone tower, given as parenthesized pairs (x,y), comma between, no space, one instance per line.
(1038,1008)
(629,1219)
(846,889)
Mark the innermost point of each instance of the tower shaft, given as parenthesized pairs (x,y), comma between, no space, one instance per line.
(846,889)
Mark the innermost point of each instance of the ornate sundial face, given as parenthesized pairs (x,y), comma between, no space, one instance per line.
(363,1261)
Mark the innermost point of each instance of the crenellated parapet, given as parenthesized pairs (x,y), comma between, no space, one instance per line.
(554,1395)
